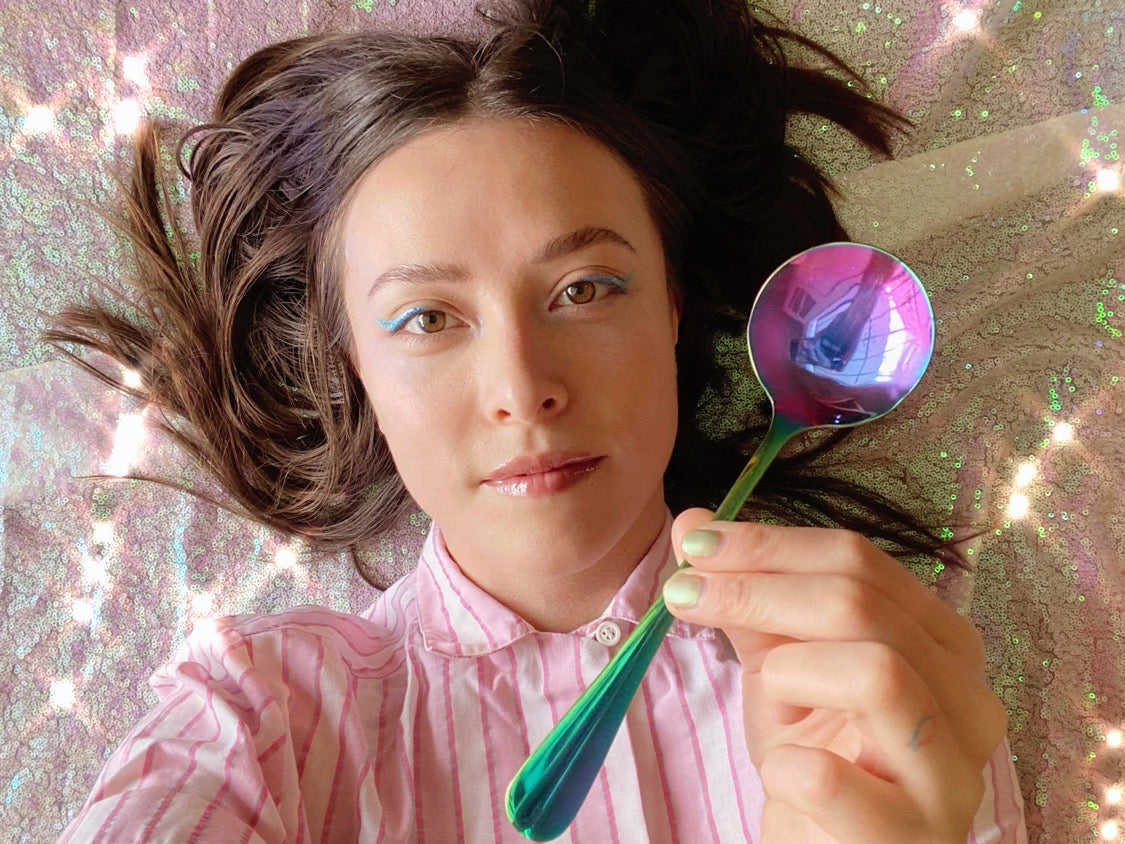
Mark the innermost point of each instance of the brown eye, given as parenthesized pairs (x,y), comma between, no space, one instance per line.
(581,292)
(430,322)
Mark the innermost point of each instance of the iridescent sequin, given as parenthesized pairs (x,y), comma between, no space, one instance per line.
(1007,199)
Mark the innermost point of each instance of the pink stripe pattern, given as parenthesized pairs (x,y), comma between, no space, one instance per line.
(406,722)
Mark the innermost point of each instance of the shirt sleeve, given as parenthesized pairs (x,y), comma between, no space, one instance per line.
(1000,818)
(215,760)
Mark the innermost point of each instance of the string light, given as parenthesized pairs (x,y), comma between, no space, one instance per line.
(133,69)
(127,441)
(1109,830)
(286,557)
(126,117)
(1025,474)
(1017,506)
(62,694)
(131,378)
(205,626)
(1063,432)
(39,121)
(202,604)
(1113,795)
(1107,180)
(967,20)
(103,533)
(285,562)
(94,572)
(1113,739)
(82,611)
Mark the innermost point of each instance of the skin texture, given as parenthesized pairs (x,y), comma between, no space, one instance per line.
(865,699)
(521,366)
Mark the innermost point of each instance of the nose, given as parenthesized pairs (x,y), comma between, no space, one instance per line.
(522,374)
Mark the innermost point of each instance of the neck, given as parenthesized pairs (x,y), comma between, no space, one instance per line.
(564,603)
(551,585)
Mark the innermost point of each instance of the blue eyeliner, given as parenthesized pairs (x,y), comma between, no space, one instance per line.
(396,324)
(618,283)
(615,281)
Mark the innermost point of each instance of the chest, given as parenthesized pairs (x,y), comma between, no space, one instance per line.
(450,732)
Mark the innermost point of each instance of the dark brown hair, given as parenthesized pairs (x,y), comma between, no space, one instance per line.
(244,344)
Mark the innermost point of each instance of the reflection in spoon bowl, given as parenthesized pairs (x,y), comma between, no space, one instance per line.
(840,334)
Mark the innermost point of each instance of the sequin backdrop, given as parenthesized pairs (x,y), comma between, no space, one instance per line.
(1007,200)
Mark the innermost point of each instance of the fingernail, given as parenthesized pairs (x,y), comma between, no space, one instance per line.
(700,542)
(683,589)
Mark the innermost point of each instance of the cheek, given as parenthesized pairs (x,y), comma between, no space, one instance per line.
(417,416)
(646,386)
(395,404)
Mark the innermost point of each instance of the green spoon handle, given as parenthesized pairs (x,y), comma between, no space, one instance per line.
(550,787)
(778,433)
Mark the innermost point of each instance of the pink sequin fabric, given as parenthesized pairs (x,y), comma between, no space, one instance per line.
(1007,199)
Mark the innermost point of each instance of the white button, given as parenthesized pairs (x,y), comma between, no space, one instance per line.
(608,633)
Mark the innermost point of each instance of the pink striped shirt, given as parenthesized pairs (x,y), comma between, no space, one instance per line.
(407,722)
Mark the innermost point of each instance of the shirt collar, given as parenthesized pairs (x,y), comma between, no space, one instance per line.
(458,618)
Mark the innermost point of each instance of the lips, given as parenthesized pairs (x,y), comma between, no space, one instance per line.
(535,476)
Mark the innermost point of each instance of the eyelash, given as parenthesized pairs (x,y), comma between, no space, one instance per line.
(617,285)
(398,323)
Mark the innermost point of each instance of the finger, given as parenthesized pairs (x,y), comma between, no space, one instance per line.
(851,805)
(695,517)
(906,734)
(902,773)
(832,607)
(752,644)
(748,546)
(749,607)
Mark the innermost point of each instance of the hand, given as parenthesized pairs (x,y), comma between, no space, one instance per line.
(866,705)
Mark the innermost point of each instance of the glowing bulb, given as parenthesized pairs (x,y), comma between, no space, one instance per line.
(285,560)
(133,69)
(1107,180)
(1109,830)
(206,627)
(102,532)
(1113,738)
(39,121)
(94,571)
(1017,505)
(1113,795)
(127,441)
(62,694)
(966,19)
(202,604)
(1025,474)
(1064,432)
(131,378)
(126,117)
(82,610)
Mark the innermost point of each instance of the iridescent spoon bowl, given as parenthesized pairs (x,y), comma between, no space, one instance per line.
(838,336)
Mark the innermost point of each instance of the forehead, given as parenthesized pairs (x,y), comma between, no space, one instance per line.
(496,184)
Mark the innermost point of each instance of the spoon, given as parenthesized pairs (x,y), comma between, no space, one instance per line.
(838,335)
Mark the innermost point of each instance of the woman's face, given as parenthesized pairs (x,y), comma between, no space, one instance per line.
(514,330)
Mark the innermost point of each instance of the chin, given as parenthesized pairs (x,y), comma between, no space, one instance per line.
(576,538)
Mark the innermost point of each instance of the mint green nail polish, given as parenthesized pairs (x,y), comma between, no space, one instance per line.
(683,590)
(700,542)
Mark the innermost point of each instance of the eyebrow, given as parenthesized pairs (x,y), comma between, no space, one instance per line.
(558,247)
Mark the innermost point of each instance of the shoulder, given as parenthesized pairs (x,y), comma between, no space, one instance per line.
(295,643)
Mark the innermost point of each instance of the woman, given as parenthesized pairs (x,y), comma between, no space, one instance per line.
(489,279)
